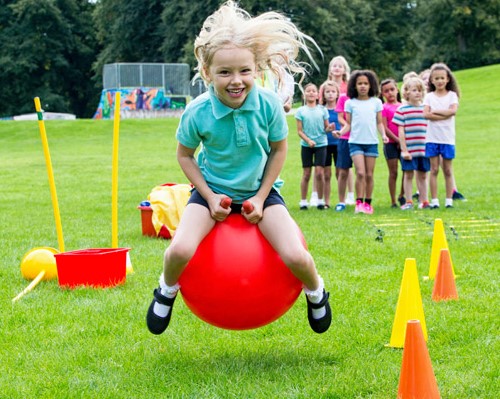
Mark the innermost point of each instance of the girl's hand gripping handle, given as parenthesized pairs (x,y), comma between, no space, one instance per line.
(226,202)
(247,207)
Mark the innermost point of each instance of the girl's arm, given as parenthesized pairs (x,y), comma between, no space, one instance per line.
(346,125)
(274,165)
(329,127)
(188,164)
(381,128)
(303,136)
(447,113)
(434,115)
(402,142)
(342,120)
(388,132)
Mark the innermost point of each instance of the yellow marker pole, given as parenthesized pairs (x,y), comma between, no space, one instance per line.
(50,173)
(114,173)
(32,285)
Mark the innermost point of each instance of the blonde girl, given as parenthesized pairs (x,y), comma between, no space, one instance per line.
(330,94)
(242,132)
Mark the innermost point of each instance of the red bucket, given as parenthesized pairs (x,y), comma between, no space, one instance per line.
(96,267)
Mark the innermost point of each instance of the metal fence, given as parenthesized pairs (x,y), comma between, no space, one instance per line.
(173,78)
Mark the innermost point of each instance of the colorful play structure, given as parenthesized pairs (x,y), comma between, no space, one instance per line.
(147,90)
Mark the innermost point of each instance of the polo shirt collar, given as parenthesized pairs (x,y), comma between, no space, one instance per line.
(220,110)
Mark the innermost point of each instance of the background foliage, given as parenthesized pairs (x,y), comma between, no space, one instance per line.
(55,49)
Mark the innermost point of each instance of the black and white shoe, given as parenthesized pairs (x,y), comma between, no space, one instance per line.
(157,324)
(322,324)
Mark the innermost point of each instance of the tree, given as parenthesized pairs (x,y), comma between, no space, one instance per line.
(40,44)
(461,33)
(128,31)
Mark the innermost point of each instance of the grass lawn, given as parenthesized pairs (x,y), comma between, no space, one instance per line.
(93,343)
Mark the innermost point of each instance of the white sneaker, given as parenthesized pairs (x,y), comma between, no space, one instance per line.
(303,205)
(314,199)
(350,199)
(434,203)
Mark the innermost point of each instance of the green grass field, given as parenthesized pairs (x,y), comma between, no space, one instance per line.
(93,343)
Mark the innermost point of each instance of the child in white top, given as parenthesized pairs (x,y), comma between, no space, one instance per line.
(440,107)
(363,119)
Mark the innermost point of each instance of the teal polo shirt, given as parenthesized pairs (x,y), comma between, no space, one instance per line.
(235,143)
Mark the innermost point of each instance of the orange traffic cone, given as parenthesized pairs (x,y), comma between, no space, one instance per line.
(417,380)
(444,286)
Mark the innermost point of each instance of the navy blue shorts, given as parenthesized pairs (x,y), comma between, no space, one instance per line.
(274,198)
(308,153)
(392,151)
(344,160)
(447,151)
(422,164)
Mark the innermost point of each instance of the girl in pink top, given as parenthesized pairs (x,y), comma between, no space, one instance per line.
(389,94)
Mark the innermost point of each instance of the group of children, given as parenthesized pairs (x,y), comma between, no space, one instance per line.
(417,130)
(241,132)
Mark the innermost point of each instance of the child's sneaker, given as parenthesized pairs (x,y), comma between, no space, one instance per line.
(424,205)
(407,206)
(402,200)
(304,205)
(416,196)
(448,203)
(368,208)
(321,204)
(314,199)
(434,203)
(350,199)
(340,207)
(359,207)
(458,196)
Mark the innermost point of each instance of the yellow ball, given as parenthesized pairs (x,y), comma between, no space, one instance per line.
(39,259)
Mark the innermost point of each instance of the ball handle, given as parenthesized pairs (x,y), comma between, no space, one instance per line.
(226,202)
(247,206)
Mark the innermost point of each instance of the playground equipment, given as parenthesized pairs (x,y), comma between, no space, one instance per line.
(236,280)
(39,262)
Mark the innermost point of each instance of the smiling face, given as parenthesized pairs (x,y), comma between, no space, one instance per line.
(439,79)
(232,74)
(337,70)
(311,94)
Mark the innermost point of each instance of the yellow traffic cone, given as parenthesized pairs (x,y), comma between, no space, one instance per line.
(409,305)
(439,242)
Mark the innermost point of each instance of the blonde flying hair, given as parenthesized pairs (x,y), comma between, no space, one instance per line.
(271,37)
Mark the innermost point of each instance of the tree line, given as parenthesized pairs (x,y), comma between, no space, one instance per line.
(56,49)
